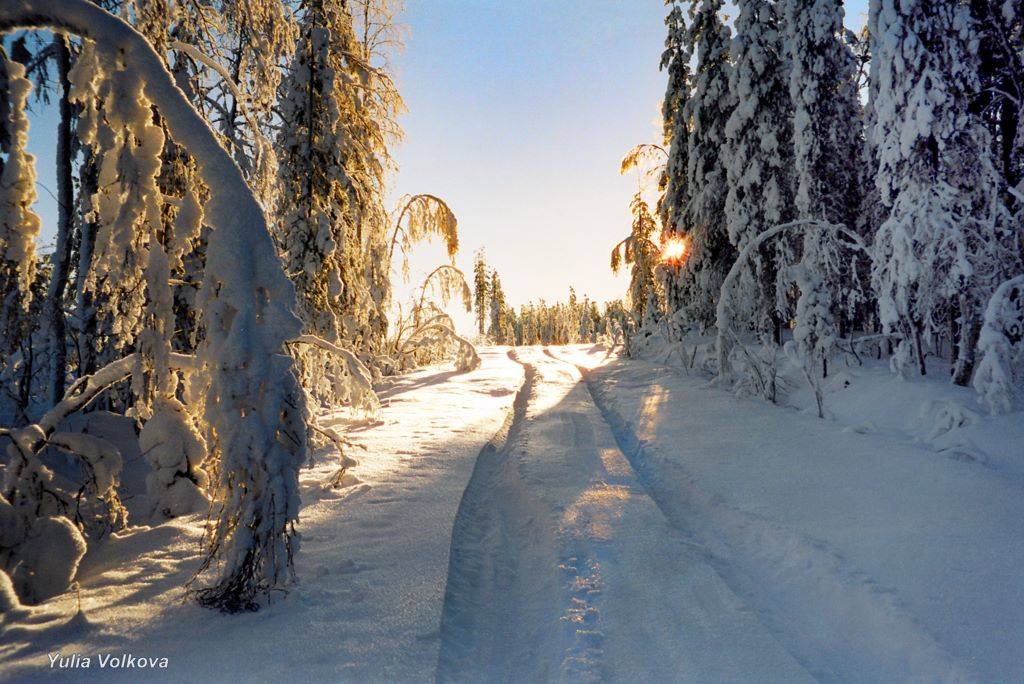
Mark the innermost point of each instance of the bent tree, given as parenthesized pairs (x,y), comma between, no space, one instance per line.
(245,393)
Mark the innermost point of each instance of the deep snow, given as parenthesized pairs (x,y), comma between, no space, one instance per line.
(607,519)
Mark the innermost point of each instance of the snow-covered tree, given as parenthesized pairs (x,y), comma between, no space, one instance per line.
(480,291)
(333,229)
(707,110)
(998,101)
(1000,371)
(827,147)
(19,224)
(946,245)
(760,162)
(672,207)
(639,251)
(244,389)
(498,311)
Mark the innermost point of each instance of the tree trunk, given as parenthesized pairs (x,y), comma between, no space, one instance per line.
(65,224)
(966,344)
(919,349)
(84,305)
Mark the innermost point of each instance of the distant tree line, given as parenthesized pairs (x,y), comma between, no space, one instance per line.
(574,321)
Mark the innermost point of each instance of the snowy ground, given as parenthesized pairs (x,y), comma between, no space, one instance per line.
(372,564)
(607,520)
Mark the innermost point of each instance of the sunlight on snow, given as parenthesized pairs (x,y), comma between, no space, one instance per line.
(615,463)
(651,411)
(593,514)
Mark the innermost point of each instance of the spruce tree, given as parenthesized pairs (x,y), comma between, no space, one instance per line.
(759,158)
(480,291)
(827,153)
(946,244)
(672,207)
(707,109)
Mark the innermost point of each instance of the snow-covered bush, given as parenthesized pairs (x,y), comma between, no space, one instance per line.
(10,603)
(176,451)
(1001,347)
(813,344)
(44,563)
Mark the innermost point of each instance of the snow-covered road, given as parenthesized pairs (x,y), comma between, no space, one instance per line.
(564,569)
(563,515)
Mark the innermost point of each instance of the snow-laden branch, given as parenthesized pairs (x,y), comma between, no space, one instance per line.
(425,215)
(358,390)
(467,360)
(451,278)
(722,313)
(88,387)
(201,57)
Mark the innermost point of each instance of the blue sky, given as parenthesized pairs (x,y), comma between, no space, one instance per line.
(519,113)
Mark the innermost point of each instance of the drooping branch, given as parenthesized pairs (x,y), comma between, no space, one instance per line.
(88,387)
(467,360)
(451,278)
(721,313)
(424,216)
(644,152)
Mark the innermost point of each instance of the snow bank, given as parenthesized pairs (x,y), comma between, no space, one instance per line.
(45,563)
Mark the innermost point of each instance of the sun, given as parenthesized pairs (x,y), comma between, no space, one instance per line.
(674,250)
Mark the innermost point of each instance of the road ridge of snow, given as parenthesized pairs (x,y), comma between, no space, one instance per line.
(475,577)
(750,552)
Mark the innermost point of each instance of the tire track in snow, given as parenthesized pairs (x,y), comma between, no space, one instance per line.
(525,587)
(833,621)
(488,631)
(563,569)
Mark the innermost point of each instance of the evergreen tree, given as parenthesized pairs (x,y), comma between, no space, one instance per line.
(707,110)
(827,148)
(498,310)
(480,285)
(672,207)
(1000,27)
(760,162)
(946,244)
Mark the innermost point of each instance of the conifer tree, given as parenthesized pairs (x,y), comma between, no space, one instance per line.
(672,206)
(707,109)
(828,151)
(946,244)
(760,161)
(480,284)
